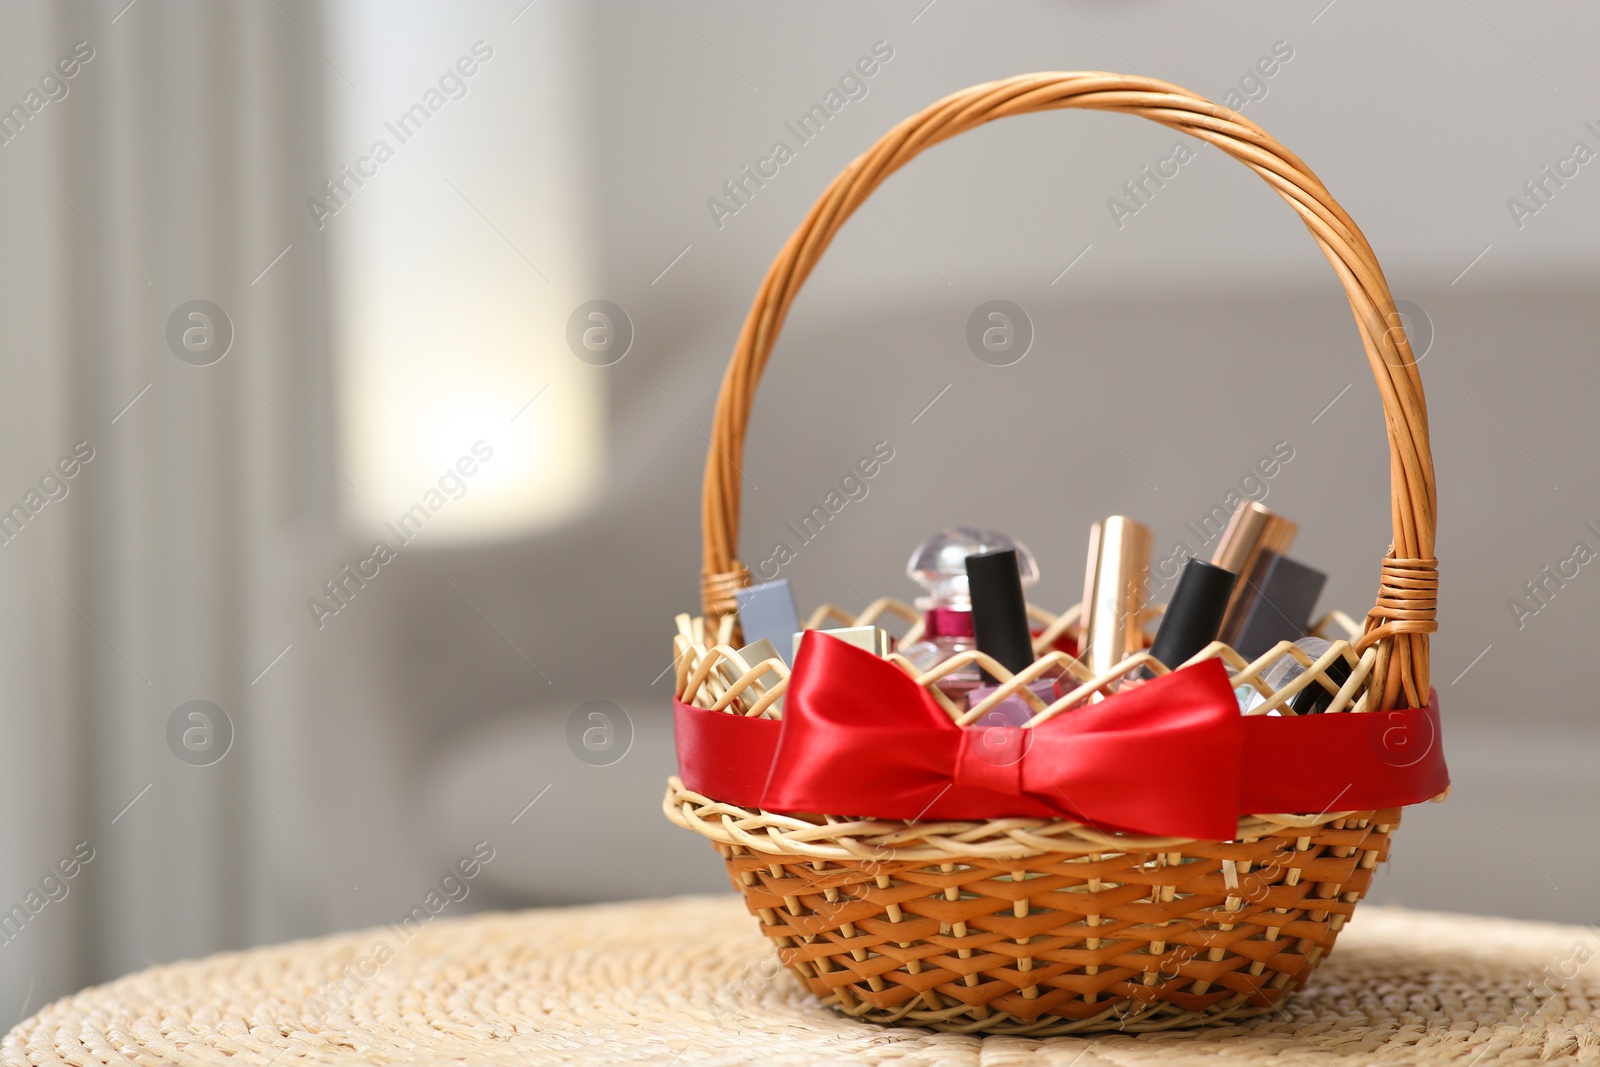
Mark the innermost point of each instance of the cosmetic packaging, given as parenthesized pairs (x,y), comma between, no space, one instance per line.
(939,565)
(870,638)
(767,613)
(755,654)
(1194,615)
(1114,592)
(1252,530)
(1313,699)
(1000,629)
(1281,595)
(999,612)
(1192,619)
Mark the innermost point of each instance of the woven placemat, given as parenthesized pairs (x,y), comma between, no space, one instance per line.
(690,981)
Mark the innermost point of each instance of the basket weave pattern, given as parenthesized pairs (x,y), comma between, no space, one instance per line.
(1062,943)
(1037,927)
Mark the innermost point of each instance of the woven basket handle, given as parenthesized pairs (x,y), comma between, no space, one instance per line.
(1403,616)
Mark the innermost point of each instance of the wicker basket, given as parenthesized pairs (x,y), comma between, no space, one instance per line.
(1030,926)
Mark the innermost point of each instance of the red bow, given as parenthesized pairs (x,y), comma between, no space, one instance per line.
(860,737)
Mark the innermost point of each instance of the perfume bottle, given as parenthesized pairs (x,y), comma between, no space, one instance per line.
(939,565)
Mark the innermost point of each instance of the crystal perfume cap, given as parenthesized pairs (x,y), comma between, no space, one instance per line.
(939,564)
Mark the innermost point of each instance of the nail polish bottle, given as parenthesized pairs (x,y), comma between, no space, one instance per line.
(939,565)
(1000,628)
(1313,699)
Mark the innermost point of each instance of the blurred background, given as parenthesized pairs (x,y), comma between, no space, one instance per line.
(286,280)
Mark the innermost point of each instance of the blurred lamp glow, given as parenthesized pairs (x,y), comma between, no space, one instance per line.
(457,262)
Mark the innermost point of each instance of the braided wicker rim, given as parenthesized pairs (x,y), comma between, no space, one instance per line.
(873,840)
(1403,615)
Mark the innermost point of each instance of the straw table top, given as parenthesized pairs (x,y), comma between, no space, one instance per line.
(689,981)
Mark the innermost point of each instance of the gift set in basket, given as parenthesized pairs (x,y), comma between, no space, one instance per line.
(1122,817)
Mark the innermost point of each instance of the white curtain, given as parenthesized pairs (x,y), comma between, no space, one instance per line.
(172,170)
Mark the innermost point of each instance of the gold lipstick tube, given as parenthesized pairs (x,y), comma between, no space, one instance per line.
(1114,592)
(1252,530)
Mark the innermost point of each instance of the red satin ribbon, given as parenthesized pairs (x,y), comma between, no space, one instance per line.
(1172,758)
